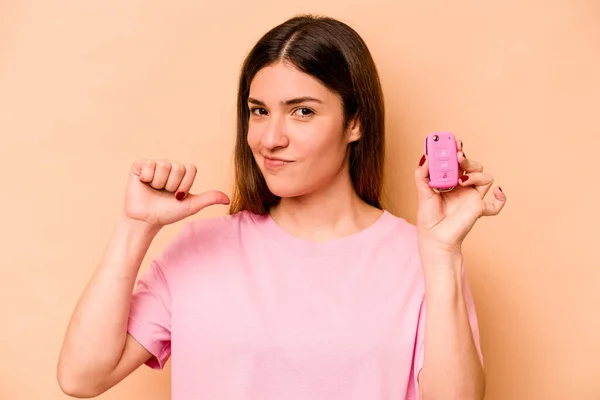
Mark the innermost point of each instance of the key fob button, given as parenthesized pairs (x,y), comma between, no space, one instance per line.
(444,166)
(444,176)
(442,154)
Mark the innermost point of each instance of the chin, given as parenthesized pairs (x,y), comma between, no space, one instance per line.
(283,187)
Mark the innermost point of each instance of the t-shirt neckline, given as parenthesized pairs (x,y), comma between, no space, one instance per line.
(350,243)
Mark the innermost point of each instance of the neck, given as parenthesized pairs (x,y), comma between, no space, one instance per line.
(333,212)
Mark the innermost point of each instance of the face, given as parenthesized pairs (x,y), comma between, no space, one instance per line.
(296,131)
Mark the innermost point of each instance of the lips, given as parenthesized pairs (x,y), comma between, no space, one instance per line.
(277,159)
(275,162)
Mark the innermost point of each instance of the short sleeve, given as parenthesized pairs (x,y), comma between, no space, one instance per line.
(420,342)
(150,315)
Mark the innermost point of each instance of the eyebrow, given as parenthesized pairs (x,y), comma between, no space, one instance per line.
(290,102)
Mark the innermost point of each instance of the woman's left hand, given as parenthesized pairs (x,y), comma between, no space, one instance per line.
(445,219)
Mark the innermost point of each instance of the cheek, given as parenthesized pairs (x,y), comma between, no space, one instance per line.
(324,143)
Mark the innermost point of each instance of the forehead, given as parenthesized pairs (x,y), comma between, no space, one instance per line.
(283,81)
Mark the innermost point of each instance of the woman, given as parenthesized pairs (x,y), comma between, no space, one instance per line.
(309,289)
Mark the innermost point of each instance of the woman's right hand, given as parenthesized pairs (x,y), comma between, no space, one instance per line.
(157,193)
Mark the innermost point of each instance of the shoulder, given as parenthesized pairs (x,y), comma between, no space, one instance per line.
(400,244)
(401,232)
(198,235)
(211,230)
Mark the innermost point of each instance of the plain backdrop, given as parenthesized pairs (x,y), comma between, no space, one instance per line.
(88,87)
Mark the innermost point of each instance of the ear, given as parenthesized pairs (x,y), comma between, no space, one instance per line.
(354,130)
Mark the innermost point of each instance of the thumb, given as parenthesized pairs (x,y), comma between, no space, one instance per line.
(197,202)
(424,191)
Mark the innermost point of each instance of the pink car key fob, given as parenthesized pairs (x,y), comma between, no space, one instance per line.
(440,149)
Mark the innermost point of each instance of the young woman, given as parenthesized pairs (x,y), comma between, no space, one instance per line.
(309,288)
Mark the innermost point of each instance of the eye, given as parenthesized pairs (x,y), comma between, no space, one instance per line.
(303,112)
(258,111)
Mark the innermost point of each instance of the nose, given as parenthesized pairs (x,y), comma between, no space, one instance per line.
(274,135)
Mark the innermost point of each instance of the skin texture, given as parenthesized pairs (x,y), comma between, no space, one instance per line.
(307,133)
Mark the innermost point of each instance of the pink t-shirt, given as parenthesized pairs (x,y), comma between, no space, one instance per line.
(248,311)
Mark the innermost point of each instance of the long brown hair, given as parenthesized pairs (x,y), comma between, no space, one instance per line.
(333,53)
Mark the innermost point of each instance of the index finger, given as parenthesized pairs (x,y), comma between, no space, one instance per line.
(186,183)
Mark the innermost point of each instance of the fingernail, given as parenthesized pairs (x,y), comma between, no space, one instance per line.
(180,196)
(422,160)
(463,178)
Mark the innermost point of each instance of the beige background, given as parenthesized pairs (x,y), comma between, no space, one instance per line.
(87,87)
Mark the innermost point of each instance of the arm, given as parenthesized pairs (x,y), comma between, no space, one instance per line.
(97,352)
(451,367)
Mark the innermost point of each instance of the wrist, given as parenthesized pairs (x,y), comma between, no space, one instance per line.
(435,256)
(127,247)
(130,226)
(442,272)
